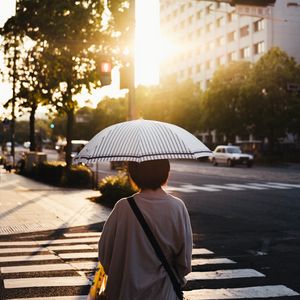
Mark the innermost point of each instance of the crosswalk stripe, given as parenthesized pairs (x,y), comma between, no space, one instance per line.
(22,250)
(223,274)
(209,261)
(28,258)
(17,283)
(285,184)
(80,234)
(36,268)
(225,187)
(200,188)
(241,293)
(70,247)
(91,265)
(201,251)
(79,255)
(83,297)
(246,186)
(52,242)
(267,185)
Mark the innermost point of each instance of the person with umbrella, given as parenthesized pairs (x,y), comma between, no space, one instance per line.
(146,243)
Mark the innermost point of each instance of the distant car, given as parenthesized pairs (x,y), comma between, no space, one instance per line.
(77,145)
(230,155)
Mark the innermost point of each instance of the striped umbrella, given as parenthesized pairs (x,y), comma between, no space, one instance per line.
(142,140)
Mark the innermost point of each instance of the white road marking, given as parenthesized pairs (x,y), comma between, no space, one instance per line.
(86,265)
(70,247)
(78,255)
(79,234)
(201,251)
(241,293)
(246,186)
(36,268)
(45,282)
(84,297)
(224,274)
(25,243)
(209,261)
(285,184)
(22,250)
(225,187)
(270,186)
(7,183)
(199,188)
(69,241)
(28,258)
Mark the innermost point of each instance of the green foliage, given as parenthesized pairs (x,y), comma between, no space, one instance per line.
(269,108)
(56,173)
(113,188)
(223,101)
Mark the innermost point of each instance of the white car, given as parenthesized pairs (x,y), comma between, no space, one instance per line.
(230,155)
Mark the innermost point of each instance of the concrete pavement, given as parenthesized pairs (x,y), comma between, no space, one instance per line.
(27,206)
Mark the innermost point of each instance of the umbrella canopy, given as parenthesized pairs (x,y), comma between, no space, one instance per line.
(142,140)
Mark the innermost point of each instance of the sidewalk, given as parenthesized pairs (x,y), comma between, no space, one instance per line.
(27,206)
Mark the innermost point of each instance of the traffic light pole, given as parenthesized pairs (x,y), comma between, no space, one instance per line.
(131,94)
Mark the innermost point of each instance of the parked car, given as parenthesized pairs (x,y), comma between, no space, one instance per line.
(77,145)
(230,155)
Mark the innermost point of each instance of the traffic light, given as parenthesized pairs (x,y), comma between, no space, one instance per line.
(252,2)
(105,73)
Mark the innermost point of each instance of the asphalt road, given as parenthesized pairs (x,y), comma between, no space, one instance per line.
(258,225)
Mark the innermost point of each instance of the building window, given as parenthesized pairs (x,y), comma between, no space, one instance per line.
(200,14)
(232,56)
(220,22)
(231,17)
(221,60)
(221,41)
(231,36)
(259,25)
(191,20)
(208,9)
(244,31)
(209,27)
(259,48)
(174,14)
(245,52)
(190,71)
(182,8)
(198,68)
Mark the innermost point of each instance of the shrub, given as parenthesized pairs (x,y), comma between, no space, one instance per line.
(113,188)
(56,173)
(79,176)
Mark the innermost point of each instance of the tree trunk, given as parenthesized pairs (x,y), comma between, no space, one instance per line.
(32,128)
(70,123)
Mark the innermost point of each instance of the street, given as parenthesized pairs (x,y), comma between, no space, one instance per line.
(245,224)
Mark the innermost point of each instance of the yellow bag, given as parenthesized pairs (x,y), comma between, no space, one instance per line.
(97,290)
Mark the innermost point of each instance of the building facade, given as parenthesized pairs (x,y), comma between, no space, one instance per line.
(204,35)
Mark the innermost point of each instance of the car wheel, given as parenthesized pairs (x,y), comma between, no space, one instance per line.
(230,163)
(214,162)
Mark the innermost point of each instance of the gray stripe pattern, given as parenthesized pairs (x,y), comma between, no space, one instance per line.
(142,140)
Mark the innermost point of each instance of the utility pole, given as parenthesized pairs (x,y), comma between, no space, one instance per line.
(131,94)
(13,103)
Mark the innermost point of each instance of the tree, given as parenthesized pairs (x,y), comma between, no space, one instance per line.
(270,108)
(222,105)
(74,43)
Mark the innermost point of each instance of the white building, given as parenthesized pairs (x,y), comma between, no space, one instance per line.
(204,35)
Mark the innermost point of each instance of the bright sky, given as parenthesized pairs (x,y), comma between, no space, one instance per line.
(147,52)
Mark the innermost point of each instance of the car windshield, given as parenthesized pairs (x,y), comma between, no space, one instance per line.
(234,150)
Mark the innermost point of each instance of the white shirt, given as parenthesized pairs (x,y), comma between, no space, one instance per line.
(134,271)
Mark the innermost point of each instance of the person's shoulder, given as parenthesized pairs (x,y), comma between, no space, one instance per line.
(176,201)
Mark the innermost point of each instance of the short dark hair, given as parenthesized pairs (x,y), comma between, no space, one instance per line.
(150,174)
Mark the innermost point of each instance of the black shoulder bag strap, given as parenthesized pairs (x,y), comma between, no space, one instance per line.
(156,247)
